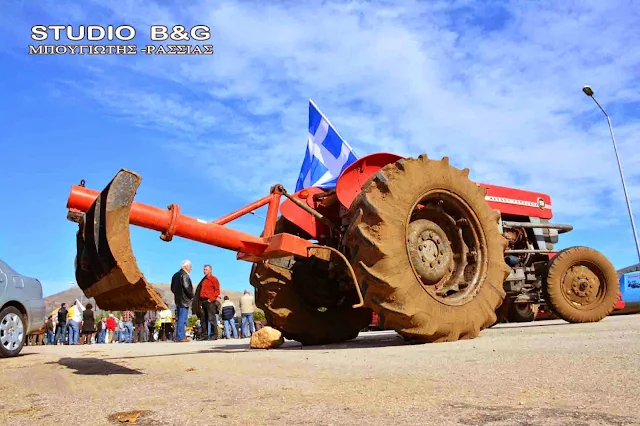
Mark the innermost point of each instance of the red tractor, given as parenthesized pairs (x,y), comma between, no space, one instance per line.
(433,253)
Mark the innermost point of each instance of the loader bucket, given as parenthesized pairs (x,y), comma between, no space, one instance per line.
(105,266)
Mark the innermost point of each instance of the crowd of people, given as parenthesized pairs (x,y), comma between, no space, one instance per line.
(215,312)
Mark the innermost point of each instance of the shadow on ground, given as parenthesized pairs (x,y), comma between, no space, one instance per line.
(371,341)
(94,367)
(527,325)
(365,340)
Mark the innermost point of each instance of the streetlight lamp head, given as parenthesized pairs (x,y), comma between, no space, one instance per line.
(587,90)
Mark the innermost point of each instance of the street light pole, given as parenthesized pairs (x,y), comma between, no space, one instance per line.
(589,92)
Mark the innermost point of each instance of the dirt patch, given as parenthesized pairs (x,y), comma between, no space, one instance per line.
(504,415)
(127,416)
(25,411)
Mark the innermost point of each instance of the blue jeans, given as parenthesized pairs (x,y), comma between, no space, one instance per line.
(59,337)
(128,332)
(74,335)
(230,323)
(50,338)
(248,325)
(181,323)
(101,336)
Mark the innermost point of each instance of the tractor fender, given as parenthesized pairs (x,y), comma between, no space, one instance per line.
(353,177)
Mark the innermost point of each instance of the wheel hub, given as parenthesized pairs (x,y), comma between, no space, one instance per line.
(430,251)
(581,285)
(11,330)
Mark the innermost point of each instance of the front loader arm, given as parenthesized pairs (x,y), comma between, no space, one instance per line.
(106,268)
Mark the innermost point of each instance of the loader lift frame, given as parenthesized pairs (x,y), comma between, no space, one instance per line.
(117,209)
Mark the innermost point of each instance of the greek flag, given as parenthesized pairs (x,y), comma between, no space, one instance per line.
(327,153)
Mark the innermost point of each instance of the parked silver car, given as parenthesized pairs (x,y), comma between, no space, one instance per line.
(22,309)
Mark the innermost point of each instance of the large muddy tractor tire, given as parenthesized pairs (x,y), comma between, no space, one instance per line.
(427,251)
(279,284)
(581,285)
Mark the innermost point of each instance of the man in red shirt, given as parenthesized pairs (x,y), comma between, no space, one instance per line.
(209,293)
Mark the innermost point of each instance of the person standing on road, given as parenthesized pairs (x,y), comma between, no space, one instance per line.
(164,318)
(49,329)
(111,328)
(247,308)
(228,317)
(62,324)
(150,318)
(128,326)
(182,289)
(100,330)
(121,329)
(209,293)
(74,319)
(140,332)
(88,324)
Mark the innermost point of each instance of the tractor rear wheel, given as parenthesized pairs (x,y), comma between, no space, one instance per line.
(427,251)
(287,292)
(581,285)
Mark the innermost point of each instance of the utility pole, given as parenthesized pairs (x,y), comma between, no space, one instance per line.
(589,92)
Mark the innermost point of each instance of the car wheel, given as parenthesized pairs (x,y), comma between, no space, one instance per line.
(12,332)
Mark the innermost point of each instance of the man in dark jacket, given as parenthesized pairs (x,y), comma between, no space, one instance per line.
(62,324)
(228,313)
(140,328)
(182,289)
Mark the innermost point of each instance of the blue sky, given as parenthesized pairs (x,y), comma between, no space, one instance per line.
(496,86)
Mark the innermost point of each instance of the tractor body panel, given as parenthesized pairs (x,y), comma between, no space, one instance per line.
(308,223)
(518,202)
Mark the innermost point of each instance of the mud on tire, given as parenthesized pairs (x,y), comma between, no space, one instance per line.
(378,241)
(581,285)
(286,309)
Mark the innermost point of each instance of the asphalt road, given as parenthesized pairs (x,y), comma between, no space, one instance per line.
(545,373)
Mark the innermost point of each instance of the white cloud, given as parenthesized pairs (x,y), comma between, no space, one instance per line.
(501,96)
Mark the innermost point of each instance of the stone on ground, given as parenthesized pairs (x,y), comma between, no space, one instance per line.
(266,338)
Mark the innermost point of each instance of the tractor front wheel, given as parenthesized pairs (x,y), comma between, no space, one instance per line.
(581,285)
(304,304)
(287,310)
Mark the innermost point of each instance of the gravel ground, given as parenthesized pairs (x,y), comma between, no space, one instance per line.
(544,373)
